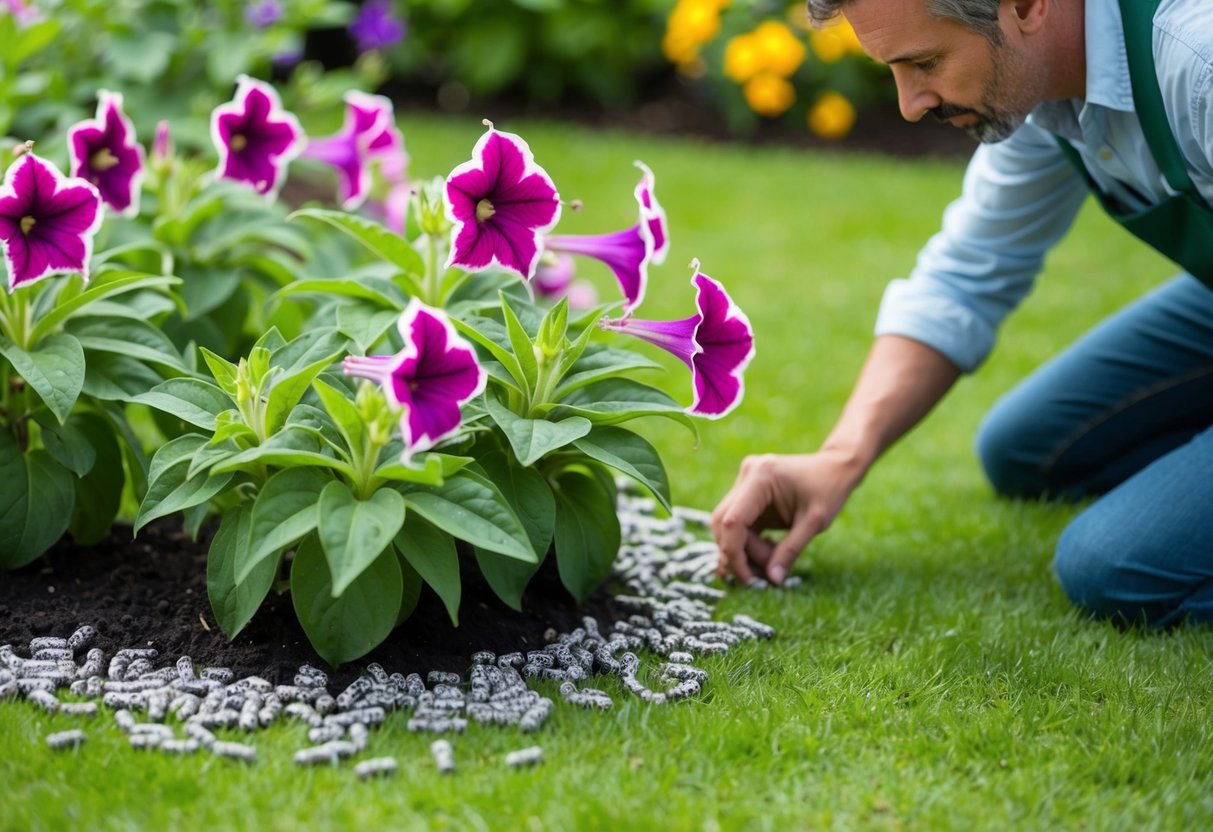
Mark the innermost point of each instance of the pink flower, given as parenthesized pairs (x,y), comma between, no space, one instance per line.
(104,152)
(430,379)
(500,204)
(47,221)
(255,137)
(368,135)
(717,343)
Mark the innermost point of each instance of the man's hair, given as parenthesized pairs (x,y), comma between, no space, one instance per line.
(980,16)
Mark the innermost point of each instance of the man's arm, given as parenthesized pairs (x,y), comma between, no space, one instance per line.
(803,493)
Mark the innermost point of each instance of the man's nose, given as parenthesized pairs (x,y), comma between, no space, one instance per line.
(913,98)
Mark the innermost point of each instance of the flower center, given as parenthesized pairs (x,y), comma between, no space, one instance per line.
(103,159)
(27,222)
(238,142)
(484,210)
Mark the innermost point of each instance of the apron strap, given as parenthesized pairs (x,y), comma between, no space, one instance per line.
(1138,25)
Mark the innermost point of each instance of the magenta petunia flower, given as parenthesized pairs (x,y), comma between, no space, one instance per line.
(47,221)
(627,253)
(430,379)
(500,203)
(375,27)
(368,135)
(255,137)
(717,343)
(104,152)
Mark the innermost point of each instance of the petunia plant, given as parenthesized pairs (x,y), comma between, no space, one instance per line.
(76,340)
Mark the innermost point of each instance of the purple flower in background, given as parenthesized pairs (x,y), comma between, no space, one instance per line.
(554,279)
(24,13)
(430,379)
(47,221)
(652,214)
(375,28)
(263,13)
(500,203)
(255,137)
(104,152)
(716,343)
(368,135)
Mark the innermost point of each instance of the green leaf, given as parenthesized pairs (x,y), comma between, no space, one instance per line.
(106,283)
(429,472)
(629,454)
(286,509)
(133,339)
(181,449)
(36,499)
(387,244)
(377,292)
(212,454)
(522,345)
(228,56)
(532,438)
(223,371)
(431,552)
(473,509)
(601,363)
(189,399)
(355,532)
(587,532)
(170,489)
(350,626)
(410,594)
(288,389)
(365,323)
(235,601)
(343,413)
(507,577)
(113,377)
(54,369)
(312,346)
(99,491)
(618,400)
(69,446)
(291,446)
(492,336)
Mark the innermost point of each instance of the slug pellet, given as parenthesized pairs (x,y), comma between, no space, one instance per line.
(377,767)
(66,739)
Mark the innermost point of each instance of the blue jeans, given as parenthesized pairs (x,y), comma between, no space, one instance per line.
(1126,413)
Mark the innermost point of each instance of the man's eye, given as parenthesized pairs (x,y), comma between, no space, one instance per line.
(927,65)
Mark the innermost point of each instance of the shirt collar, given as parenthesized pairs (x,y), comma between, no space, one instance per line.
(1108,82)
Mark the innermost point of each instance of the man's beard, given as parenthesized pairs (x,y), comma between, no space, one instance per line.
(1008,95)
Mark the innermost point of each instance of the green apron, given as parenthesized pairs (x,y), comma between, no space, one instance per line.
(1181,226)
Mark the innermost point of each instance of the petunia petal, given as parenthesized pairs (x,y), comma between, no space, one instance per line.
(725,342)
(625,252)
(104,151)
(652,215)
(255,138)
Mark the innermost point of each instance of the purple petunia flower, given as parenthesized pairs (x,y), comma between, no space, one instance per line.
(375,27)
(263,13)
(104,152)
(627,253)
(554,280)
(368,135)
(431,378)
(716,343)
(24,13)
(47,221)
(500,203)
(255,137)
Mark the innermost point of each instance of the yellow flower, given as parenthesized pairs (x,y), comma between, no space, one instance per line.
(832,117)
(742,58)
(679,49)
(835,42)
(782,51)
(768,94)
(695,20)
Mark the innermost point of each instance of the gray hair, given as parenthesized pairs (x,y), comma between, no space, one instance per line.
(980,16)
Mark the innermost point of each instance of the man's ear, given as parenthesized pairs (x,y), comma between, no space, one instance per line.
(1029,16)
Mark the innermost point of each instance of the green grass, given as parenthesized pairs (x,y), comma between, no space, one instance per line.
(928,675)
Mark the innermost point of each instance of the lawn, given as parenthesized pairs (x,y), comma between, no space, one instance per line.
(928,674)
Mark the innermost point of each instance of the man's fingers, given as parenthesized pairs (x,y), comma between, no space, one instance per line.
(732,521)
(786,551)
(758,548)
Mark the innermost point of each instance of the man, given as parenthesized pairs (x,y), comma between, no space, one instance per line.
(1126,411)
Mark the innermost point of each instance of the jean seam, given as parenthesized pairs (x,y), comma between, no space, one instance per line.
(1087,427)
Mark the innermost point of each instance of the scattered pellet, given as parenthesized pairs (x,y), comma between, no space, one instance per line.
(235,751)
(524,757)
(66,739)
(377,767)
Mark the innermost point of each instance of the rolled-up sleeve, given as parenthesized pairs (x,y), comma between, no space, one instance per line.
(1020,197)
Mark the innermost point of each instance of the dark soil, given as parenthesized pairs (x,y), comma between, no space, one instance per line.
(152,592)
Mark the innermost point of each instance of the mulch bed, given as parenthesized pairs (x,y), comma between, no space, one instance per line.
(152,592)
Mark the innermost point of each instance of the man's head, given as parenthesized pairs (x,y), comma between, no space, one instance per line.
(975,63)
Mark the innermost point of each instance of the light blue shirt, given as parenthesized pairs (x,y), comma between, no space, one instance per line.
(1021,195)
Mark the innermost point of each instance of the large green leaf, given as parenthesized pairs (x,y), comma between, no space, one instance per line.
(189,399)
(234,601)
(532,438)
(619,400)
(68,444)
(294,445)
(365,323)
(587,531)
(133,339)
(106,283)
(493,337)
(629,454)
(343,413)
(99,490)
(114,377)
(350,626)
(355,532)
(289,388)
(54,369)
(286,510)
(36,499)
(411,584)
(521,344)
(473,509)
(387,244)
(431,552)
(507,577)
(171,489)
(379,293)
(599,363)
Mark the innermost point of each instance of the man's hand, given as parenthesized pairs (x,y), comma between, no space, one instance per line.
(802,493)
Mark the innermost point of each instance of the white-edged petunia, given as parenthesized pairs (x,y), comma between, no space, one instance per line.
(717,343)
(368,136)
(627,253)
(103,151)
(500,204)
(47,221)
(430,379)
(255,137)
